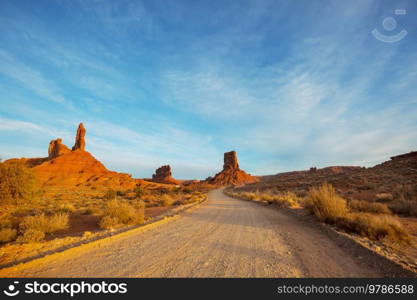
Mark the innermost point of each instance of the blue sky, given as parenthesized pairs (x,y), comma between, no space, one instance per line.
(289,84)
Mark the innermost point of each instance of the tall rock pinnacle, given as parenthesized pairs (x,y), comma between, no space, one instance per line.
(80,138)
(231,174)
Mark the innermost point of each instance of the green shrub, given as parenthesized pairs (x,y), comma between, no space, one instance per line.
(326,204)
(18,184)
(370,207)
(7,235)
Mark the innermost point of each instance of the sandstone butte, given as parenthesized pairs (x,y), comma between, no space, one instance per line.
(164,175)
(67,168)
(231,173)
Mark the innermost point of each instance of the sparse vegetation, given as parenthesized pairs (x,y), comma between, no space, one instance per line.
(118,213)
(405,200)
(44,223)
(7,235)
(18,184)
(326,204)
(372,220)
(110,194)
(31,236)
(370,207)
(286,199)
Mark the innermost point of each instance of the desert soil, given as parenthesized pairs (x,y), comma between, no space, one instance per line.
(224,237)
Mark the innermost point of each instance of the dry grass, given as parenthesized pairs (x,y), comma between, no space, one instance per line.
(369,207)
(286,199)
(372,220)
(7,235)
(375,227)
(118,213)
(31,236)
(326,204)
(44,223)
(405,200)
(18,183)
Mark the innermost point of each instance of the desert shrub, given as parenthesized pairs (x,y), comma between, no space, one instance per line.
(370,207)
(384,197)
(166,200)
(31,236)
(18,184)
(138,204)
(44,223)
(405,200)
(118,213)
(110,194)
(67,208)
(93,210)
(120,193)
(187,190)
(7,235)
(139,192)
(5,221)
(375,227)
(326,204)
(287,199)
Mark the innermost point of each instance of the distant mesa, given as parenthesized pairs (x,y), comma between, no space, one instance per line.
(164,175)
(231,173)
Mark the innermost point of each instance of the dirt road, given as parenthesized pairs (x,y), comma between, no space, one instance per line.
(224,237)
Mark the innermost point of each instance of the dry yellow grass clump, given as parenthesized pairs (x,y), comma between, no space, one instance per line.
(118,213)
(375,223)
(286,199)
(34,228)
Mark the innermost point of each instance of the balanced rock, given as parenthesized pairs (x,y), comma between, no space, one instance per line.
(57,148)
(231,173)
(80,138)
(164,175)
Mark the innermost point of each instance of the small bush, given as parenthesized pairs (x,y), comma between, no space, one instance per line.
(67,208)
(120,193)
(119,213)
(18,183)
(326,204)
(139,192)
(370,207)
(93,210)
(287,199)
(166,200)
(44,223)
(31,236)
(7,235)
(110,194)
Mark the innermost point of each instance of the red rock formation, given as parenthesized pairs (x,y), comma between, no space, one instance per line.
(68,169)
(231,173)
(80,138)
(164,175)
(56,148)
